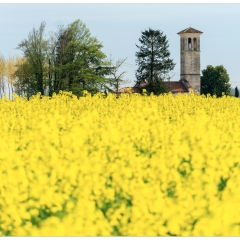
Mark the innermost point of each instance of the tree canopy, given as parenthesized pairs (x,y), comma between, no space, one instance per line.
(215,81)
(35,49)
(153,60)
(70,59)
(78,57)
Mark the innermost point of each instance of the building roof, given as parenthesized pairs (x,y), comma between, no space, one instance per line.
(141,84)
(181,86)
(176,87)
(190,30)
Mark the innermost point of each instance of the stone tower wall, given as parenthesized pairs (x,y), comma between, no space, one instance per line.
(190,68)
(190,59)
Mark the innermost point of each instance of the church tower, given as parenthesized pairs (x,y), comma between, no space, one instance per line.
(190,57)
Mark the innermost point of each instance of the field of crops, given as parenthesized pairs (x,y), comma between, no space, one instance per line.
(131,166)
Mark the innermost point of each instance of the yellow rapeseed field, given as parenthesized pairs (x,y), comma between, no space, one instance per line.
(131,166)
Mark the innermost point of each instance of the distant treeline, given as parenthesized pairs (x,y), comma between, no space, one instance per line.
(69,59)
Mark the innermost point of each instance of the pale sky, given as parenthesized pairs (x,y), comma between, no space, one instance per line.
(118,27)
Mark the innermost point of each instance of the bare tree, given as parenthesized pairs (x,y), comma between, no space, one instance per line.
(24,78)
(11,67)
(2,74)
(117,78)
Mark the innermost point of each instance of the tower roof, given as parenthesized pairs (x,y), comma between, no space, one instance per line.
(190,30)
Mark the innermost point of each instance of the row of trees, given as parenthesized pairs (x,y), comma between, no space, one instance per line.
(69,59)
(72,60)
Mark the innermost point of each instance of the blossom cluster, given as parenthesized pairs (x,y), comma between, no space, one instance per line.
(133,165)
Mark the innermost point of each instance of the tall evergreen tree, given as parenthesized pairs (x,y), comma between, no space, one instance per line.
(236,92)
(153,60)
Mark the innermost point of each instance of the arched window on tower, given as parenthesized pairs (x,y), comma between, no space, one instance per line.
(189,43)
(194,44)
(183,43)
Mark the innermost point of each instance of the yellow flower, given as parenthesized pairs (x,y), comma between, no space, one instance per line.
(134,165)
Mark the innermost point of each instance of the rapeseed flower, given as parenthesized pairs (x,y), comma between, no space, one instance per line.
(135,165)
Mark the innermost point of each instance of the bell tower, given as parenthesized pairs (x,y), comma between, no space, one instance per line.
(190,57)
